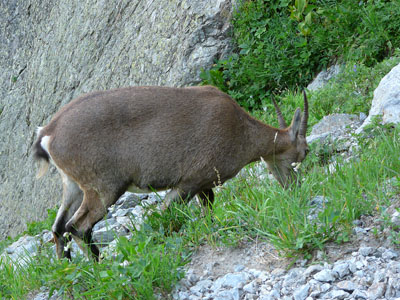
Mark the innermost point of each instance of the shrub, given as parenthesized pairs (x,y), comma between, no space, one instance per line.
(282,44)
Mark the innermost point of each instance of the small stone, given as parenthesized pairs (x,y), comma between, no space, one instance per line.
(193,278)
(278,272)
(325,287)
(366,251)
(273,295)
(277,286)
(301,262)
(311,270)
(230,281)
(320,255)
(250,288)
(359,265)
(261,275)
(315,294)
(341,270)
(239,268)
(381,250)
(376,290)
(338,294)
(394,266)
(232,294)
(358,294)
(347,285)
(352,267)
(325,275)
(205,283)
(301,293)
(196,290)
(183,295)
(379,276)
(250,297)
(366,280)
(395,218)
(389,254)
(294,277)
(391,288)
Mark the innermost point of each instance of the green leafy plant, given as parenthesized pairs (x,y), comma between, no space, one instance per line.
(281,44)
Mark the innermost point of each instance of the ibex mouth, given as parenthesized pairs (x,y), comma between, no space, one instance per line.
(296,166)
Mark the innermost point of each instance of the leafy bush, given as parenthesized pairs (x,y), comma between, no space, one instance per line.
(281,44)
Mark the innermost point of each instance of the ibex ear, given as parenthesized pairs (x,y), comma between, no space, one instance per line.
(295,126)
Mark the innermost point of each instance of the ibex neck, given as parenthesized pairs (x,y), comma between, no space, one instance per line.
(266,141)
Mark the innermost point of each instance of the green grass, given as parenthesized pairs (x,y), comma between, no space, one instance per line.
(245,208)
(152,262)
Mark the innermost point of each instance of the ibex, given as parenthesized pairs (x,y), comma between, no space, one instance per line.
(183,139)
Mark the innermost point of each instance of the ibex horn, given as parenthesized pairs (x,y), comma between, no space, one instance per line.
(281,120)
(303,125)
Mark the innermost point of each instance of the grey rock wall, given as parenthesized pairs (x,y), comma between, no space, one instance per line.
(53,50)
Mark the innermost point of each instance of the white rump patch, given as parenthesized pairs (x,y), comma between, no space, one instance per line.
(45,143)
(44,164)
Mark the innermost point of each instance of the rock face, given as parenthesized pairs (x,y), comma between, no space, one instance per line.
(53,51)
(386,102)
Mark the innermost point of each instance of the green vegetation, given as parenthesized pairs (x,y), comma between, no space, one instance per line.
(245,208)
(37,227)
(281,44)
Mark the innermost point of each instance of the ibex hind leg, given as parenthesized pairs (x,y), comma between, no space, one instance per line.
(72,199)
(93,208)
(80,225)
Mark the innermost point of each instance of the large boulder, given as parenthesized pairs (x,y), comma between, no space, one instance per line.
(333,126)
(54,50)
(324,77)
(386,102)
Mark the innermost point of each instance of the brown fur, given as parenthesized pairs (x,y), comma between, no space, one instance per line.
(184,139)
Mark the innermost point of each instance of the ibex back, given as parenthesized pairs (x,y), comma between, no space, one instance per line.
(182,139)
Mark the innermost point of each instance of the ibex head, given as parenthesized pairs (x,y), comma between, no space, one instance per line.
(291,148)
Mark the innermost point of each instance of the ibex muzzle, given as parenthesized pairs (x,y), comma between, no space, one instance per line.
(182,139)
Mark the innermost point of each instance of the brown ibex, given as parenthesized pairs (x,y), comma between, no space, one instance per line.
(183,139)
